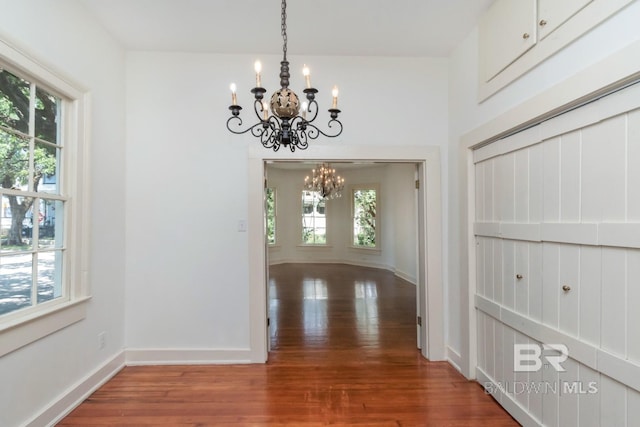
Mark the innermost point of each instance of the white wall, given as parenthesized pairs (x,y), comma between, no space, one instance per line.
(402,177)
(187,178)
(396,211)
(467,114)
(65,38)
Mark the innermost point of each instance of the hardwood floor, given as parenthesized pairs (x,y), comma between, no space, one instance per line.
(343,353)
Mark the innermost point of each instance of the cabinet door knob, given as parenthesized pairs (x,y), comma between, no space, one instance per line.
(542,22)
(525,36)
(518,276)
(566,288)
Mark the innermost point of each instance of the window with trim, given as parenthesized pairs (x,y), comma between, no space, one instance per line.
(42,269)
(365,229)
(270,212)
(314,219)
(31,229)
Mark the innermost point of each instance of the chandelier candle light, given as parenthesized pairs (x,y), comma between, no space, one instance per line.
(284,126)
(325,182)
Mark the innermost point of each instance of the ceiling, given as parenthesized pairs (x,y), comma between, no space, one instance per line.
(314,27)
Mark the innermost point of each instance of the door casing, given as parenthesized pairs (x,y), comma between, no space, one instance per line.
(430,261)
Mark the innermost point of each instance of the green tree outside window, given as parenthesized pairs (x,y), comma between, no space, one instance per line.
(364,217)
(270,210)
(25,162)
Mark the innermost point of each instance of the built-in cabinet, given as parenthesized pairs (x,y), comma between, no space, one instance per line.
(516,35)
(507,30)
(511,27)
(557,255)
(553,13)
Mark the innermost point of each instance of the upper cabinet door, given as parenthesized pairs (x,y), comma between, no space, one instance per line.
(553,13)
(506,31)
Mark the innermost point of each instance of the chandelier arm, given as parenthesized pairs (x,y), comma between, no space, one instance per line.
(258,108)
(258,130)
(314,132)
(237,119)
(313,112)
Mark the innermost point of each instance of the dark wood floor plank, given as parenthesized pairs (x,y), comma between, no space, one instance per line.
(344,353)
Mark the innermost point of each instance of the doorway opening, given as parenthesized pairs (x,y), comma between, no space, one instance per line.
(429,229)
(341,266)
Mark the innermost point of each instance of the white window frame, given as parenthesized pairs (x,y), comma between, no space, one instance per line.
(27,325)
(353,189)
(326,221)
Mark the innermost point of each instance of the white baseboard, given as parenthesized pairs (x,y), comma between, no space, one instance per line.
(401,274)
(331,261)
(77,393)
(171,356)
(506,401)
(406,277)
(454,358)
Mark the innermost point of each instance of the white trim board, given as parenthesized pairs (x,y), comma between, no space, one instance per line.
(614,104)
(505,399)
(614,72)
(620,235)
(454,358)
(186,356)
(402,275)
(76,394)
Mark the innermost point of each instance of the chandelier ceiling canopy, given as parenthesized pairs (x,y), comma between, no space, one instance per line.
(290,123)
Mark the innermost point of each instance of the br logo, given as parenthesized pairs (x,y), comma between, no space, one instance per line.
(529,357)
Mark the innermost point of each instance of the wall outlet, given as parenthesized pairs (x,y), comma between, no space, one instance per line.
(102,340)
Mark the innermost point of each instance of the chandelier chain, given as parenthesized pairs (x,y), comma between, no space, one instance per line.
(283,27)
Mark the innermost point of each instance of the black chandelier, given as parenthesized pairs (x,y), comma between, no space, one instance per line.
(284,126)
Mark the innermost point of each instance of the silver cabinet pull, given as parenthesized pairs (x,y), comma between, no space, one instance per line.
(542,22)
(518,276)
(525,36)
(566,288)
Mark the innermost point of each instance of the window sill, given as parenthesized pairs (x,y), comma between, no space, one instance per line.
(366,249)
(303,246)
(26,329)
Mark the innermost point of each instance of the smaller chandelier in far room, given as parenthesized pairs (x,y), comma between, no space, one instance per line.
(291,122)
(325,181)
